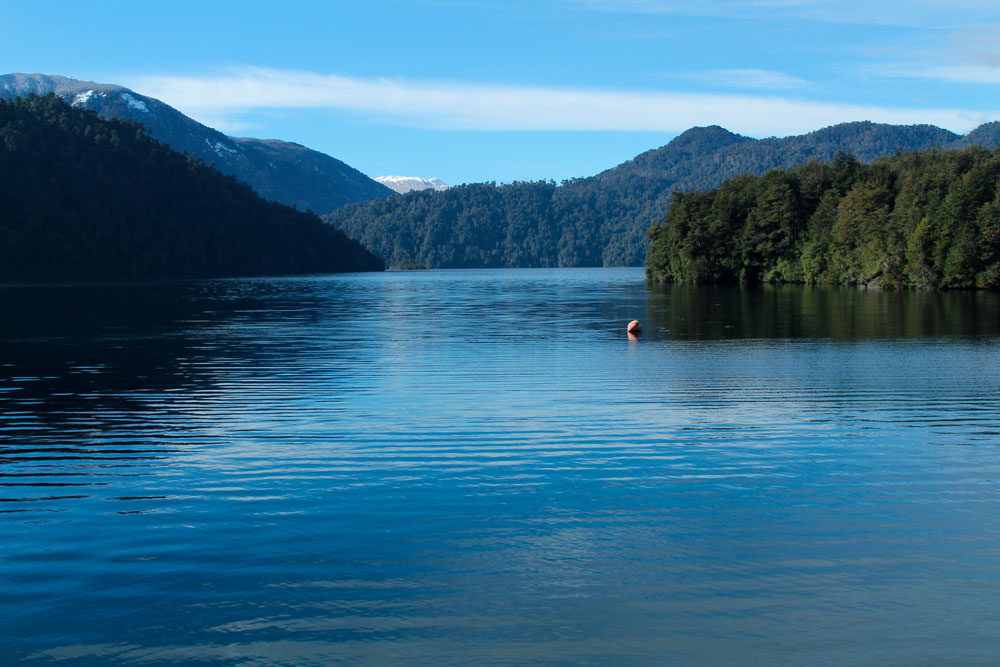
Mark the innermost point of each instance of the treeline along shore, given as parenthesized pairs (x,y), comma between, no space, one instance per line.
(927,219)
(84,198)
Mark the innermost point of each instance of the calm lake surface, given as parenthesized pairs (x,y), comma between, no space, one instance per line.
(479,467)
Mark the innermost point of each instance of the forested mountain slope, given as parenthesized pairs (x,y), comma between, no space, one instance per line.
(83,198)
(602,220)
(277,170)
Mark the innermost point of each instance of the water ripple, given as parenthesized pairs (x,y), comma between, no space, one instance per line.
(396,467)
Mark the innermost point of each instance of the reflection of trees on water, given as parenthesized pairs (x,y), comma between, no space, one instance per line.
(791,311)
(113,376)
(99,344)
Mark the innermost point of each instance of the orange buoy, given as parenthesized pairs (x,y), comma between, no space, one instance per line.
(635,327)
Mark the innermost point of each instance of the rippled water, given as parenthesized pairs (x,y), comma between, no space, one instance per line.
(480,467)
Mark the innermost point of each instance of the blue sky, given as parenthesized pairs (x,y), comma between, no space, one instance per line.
(470,90)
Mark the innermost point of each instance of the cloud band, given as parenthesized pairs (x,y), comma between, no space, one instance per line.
(467,106)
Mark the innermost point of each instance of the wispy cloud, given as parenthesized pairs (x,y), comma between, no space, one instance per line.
(961,73)
(906,13)
(755,79)
(227,124)
(470,106)
(965,56)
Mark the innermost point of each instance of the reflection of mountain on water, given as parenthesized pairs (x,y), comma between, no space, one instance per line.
(100,386)
(790,311)
(97,382)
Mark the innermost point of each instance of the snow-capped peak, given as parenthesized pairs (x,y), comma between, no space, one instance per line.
(404,184)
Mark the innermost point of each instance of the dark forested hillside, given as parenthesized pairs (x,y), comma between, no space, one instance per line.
(277,170)
(602,220)
(920,219)
(477,225)
(83,198)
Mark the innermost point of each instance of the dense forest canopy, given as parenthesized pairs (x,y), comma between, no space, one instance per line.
(602,220)
(921,219)
(83,198)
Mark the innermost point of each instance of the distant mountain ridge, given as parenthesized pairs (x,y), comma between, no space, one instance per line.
(404,184)
(602,219)
(277,170)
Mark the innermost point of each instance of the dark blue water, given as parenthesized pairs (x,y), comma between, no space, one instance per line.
(480,467)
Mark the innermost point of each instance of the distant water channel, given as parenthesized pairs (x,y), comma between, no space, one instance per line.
(478,467)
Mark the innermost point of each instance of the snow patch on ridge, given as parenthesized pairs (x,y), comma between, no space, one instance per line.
(219,148)
(134,103)
(82,98)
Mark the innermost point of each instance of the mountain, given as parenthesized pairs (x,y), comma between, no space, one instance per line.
(278,170)
(84,198)
(986,135)
(404,184)
(704,157)
(602,219)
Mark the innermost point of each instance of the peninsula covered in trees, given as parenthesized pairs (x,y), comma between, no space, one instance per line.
(926,219)
(83,198)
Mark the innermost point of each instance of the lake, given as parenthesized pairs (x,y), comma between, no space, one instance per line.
(479,467)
